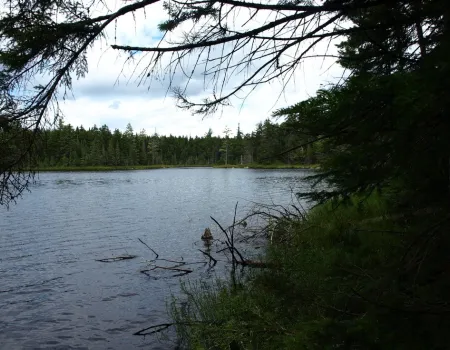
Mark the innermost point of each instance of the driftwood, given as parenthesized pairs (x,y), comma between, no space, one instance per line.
(117,258)
(181,272)
(176,268)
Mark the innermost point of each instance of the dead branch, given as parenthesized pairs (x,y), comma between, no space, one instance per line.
(177,269)
(168,260)
(157,255)
(229,242)
(117,258)
(172,268)
(232,248)
(162,326)
(154,329)
(196,263)
(209,256)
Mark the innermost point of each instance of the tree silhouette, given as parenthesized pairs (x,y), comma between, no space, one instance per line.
(235,46)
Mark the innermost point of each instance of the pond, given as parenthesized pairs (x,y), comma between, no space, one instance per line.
(54,294)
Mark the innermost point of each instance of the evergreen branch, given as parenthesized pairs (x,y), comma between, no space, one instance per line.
(219,41)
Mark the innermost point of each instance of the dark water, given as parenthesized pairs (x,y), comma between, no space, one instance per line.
(54,295)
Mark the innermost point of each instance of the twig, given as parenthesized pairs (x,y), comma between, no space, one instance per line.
(172,268)
(229,242)
(221,250)
(238,253)
(223,230)
(157,255)
(183,271)
(160,328)
(209,256)
(117,258)
(173,261)
(232,231)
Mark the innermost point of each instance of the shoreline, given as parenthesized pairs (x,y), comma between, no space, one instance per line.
(150,167)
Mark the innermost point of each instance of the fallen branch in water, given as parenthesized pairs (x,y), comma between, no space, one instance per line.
(162,326)
(159,328)
(230,241)
(172,261)
(177,269)
(157,255)
(209,256)
(168,268)
(117,258)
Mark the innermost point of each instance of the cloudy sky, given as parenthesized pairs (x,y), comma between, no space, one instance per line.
(110,94)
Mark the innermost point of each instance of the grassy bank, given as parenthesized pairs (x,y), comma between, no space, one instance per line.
(352,277)
(269,166)
(160,166)
(111,168)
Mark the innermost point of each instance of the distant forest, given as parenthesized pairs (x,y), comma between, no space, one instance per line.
(65,145)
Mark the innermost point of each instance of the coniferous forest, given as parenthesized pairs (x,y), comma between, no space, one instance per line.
(68,146)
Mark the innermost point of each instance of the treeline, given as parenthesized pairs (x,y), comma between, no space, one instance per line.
(66,145)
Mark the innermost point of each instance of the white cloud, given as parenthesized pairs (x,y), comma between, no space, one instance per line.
(110,93)
(114,105)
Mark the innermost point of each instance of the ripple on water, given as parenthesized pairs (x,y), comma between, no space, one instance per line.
(54,295)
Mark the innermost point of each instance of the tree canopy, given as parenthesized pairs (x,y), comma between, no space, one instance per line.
(393,99)
(387,125)
(68,147)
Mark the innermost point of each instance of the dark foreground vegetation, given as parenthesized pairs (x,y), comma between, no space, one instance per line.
(355,276)
(368,267)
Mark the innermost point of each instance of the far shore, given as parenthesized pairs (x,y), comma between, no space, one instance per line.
(161,166)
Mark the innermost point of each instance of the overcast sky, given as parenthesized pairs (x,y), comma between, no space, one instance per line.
(110,95)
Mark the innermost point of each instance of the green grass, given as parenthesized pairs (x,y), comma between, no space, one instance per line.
(346,277)
(269,166)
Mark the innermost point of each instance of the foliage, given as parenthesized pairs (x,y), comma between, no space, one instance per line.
(387,125)
(66,147)
(349,276)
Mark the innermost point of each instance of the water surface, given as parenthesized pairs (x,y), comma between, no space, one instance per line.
(53,292)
